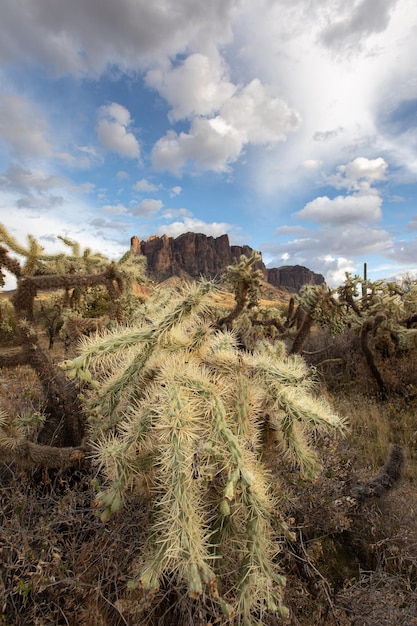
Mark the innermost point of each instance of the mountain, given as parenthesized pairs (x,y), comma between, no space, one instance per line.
(196,254)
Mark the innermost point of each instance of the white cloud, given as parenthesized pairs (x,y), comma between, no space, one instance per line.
(112,131)
(114,209)
(70,221)
(404,252)
(359,174)
(25,180)
(327,135)
(337,95)
(290,230)
(362,205)
(364,18)
(210,145)
(252,116)
(39,203)
(171,214)
(144,186)
(83,161)
(22,127)
(84,37)
(199,86)
(412,224)
(116,113)
(175,191)
(258,115)
(146,208)
(346,245)
(191,224)
(37,190)
(334,269)
(342,209)
(312,164)
(83,157)
(361,167)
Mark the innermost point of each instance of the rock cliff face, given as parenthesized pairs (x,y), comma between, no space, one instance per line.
(198,255)
(293,277)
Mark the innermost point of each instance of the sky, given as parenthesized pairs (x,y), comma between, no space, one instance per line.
(290,125)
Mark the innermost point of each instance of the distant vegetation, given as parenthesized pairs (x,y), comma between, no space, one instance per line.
(187,454)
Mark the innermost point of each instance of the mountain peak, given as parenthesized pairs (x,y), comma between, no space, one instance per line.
(199,255)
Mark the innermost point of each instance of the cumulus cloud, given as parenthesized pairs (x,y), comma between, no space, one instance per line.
(210,145)
(364,18)
(70,221)
(404,252)
(344,246)
(199,86)
(258,115)
(22,128)
(252,116)
(334,269)
(359,174)
(25,180)
(146,208)
(40,203)
(114,209)
(312,164)
(344,225)
(32,188)
(83,157)
(191,224)
(291,230)
(36,189)
(363,204)
(114,120)
(342,209)
(171,214)
(412,224)
(327,135)
(83,37)
(144,186)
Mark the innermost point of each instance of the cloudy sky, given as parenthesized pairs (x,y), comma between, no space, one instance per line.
(290,125)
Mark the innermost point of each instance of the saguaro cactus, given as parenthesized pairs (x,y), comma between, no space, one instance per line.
(179,416)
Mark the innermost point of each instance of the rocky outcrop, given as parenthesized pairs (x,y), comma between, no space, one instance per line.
(192,253)
(293,277)
(196,254)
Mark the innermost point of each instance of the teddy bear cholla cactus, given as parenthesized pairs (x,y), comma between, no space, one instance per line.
(178,415)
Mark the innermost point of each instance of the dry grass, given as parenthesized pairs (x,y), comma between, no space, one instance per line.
(374,425)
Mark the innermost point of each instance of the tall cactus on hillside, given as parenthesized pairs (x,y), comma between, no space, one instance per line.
(182,418)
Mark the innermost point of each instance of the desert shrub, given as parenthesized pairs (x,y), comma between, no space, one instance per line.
(336,358)
(60,564)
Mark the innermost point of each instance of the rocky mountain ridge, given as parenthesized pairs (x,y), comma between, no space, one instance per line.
(196,254)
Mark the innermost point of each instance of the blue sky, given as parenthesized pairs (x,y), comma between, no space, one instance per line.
(290,125)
